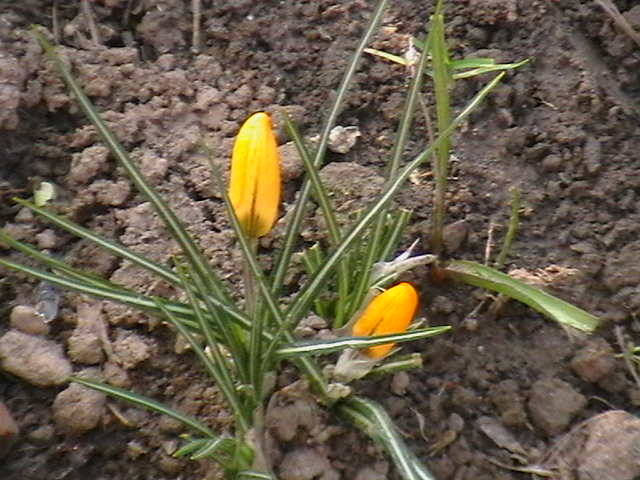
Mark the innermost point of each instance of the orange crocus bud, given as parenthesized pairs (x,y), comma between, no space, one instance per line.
(390,312)
(254,187)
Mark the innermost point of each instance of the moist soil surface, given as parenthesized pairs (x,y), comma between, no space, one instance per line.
(507,391)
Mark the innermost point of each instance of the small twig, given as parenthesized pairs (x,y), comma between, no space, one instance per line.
(196,9)
(127,13)
(619,20)
(489,245)
(626,354)
(88,16)
(55,23)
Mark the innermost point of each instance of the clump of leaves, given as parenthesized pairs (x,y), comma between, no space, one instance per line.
(246,343)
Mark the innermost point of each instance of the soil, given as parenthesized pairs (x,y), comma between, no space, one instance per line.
(500,390)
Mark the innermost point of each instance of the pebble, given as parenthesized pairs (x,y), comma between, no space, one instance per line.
(9,430)
(400,383)
(28,320)
(85,347)
(372,473)
(553,403)
(130,349)
(343,139)
(454,235)
(290,162)
(78,409)
(47,239)
(594,360)
(115,375)
(36,360)
(42,434)
(307,464)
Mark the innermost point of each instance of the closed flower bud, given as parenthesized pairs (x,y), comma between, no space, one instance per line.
(254,187)
(390,312)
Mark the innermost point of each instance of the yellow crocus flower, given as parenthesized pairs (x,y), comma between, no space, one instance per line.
(254,187)
(390,312)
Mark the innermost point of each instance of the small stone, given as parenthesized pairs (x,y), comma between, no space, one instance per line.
(290,162)
(42,434)
(47,239)
(623,267)
(594,361)
(85,347)
(170,425)
(552,163)
(28,320)
(9,430)
(455,423)
(78,409)
(377,472)
(611,447)
(135,449)
(307,464)
(400,383)
(170,465)
(343,139)
(553,403)
(130,349)
(24,215)
(117,376)
(36,360)
(454,235)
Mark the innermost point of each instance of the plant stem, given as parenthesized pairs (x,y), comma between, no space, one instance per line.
(514,223)
(441,81)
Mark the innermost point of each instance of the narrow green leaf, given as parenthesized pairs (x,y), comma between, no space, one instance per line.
(315,284)
(191,446)
(108,245)
(311,370)
(167,215)
(217,367)
(122,295)
(328,213)
(472,63)
(499,67)
(322,347)
(145,402)
(253,475)
(372,419)
(284,259)
(563,312)
(211,447)
(387,56)
(57,265)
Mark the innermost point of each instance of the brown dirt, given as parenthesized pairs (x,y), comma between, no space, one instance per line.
(564,129)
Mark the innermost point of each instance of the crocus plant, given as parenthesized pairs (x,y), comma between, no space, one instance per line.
(244,347)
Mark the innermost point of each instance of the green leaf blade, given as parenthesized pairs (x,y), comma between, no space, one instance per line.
(482,276)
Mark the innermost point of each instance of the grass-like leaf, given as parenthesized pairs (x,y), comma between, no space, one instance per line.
(127,297)
(291,235)
(563,312)
(145,402)
(322,347)
(169,218)
(315,284)
(253,475)
(214,365)
(329,215)
(104,243)
(374,421)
